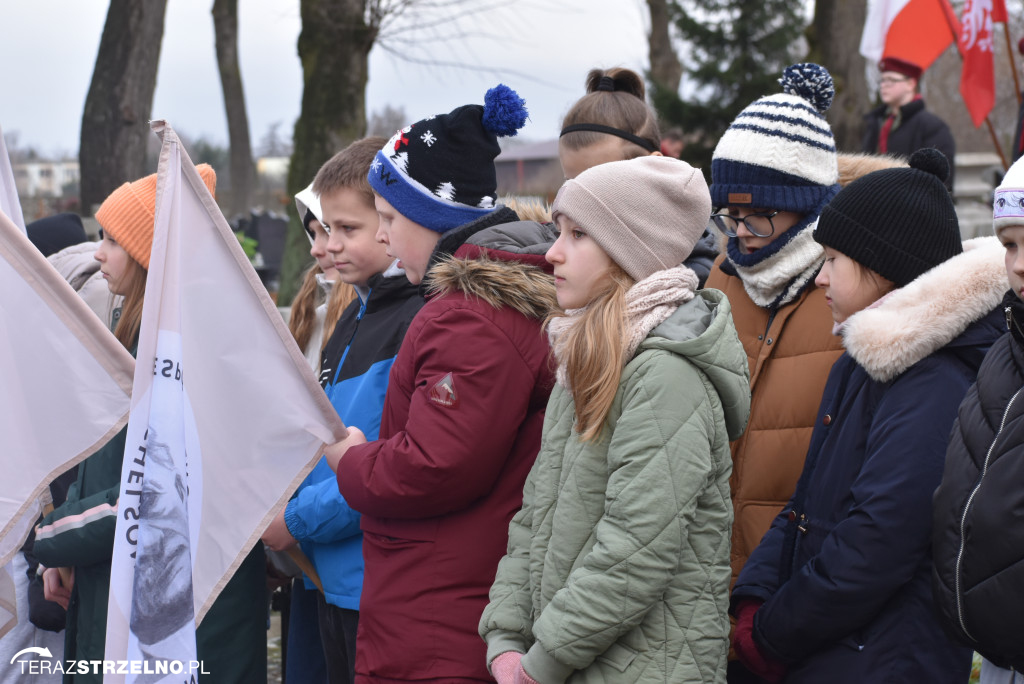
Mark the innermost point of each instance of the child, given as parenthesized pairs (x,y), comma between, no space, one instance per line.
(356,363)
(839,588)
(618,562)
(321,298)
(465,402)
(772,173)
(612,122)
(79,534)
(977,539)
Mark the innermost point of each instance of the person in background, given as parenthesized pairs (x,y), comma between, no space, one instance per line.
(902,124)
(613,122)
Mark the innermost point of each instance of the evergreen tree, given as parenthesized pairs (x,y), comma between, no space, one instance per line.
(735,51)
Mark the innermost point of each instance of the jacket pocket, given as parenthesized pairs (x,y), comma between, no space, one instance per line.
(618,656)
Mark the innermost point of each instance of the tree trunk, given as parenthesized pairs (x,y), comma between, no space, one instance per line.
(334,47)
(225,27)
(115,122)
(666,70)
(834,39)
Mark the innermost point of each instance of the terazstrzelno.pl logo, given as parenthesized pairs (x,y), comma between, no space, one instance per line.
(44,664)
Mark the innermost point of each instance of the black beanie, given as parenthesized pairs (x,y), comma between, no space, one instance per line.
(897,222)
(53,233)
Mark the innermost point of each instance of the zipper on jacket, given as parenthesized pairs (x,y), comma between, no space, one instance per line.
(348,345)
(967,508)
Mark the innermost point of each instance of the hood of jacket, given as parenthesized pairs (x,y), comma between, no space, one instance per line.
(703,332)
(927,314)
(502,265)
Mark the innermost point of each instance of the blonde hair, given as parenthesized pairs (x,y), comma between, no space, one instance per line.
(624,108)
(591,351)
(127,329)
(302,320)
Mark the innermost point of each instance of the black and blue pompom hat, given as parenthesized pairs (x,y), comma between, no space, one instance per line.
(779,152)
(439,172)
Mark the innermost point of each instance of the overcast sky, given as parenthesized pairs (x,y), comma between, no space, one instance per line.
(541,49)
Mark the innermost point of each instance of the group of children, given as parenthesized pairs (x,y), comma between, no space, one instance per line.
(569,460)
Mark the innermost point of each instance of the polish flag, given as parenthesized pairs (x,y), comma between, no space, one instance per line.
(226,420)
(977,80)
(916,31)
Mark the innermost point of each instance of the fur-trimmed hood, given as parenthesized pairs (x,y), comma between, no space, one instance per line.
(502,265)
(927,314)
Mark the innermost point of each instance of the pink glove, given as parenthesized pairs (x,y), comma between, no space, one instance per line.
(522,677)
(506,666)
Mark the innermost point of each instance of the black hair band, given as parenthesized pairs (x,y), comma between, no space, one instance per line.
(618,132)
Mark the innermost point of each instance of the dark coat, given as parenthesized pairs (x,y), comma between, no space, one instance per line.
(978,541)
(845,569)
(460,430)
(917,128)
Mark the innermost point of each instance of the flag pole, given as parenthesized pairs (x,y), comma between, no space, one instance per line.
(1013,62)
(995,143)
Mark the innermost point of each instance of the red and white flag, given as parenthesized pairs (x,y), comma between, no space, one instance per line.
(226,420)
(65,385)
(916,31)
(977,80)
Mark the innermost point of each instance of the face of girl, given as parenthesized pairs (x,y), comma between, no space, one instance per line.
(580,265)
(750,243)
(849,287)
(318,250)
(114,264)
(575,162)
(1013,241)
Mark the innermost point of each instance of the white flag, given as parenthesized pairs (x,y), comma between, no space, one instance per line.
(65,384)
(9,204)
(226,420)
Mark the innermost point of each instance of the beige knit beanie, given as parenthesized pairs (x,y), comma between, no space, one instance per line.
(645,213)
(127,215)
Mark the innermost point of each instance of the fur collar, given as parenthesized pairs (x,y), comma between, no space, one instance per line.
(928,313)
(521,286)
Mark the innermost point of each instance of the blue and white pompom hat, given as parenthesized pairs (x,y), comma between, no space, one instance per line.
(439,172)
(779,152)
(1008,201)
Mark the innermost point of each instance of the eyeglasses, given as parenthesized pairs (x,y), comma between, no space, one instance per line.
(759,225)
(889,80)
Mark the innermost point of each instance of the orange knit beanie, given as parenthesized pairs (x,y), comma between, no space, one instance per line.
(127,215)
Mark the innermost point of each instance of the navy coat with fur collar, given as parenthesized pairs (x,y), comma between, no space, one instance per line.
(845,569)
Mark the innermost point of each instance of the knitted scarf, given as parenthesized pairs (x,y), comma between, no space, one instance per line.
(776,274)
(648,304)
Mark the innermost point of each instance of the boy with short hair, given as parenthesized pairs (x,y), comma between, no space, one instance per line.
(354,374)
(462,420)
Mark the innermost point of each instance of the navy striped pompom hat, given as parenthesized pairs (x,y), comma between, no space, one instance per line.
(779,152)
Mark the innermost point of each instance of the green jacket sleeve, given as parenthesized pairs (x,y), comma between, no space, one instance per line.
(507,621)
(79,532)
(660,465)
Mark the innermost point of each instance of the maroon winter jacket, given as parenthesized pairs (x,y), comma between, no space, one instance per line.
(460,429)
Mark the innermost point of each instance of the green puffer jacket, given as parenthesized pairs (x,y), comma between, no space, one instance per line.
(618,563)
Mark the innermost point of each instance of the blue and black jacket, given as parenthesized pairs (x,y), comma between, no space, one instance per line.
(354,373)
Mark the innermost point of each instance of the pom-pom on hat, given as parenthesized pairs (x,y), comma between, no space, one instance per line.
(1008,201)
(900,66)
(439,172)
(127,215)
(779,152)
(897,222)
(645,213)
